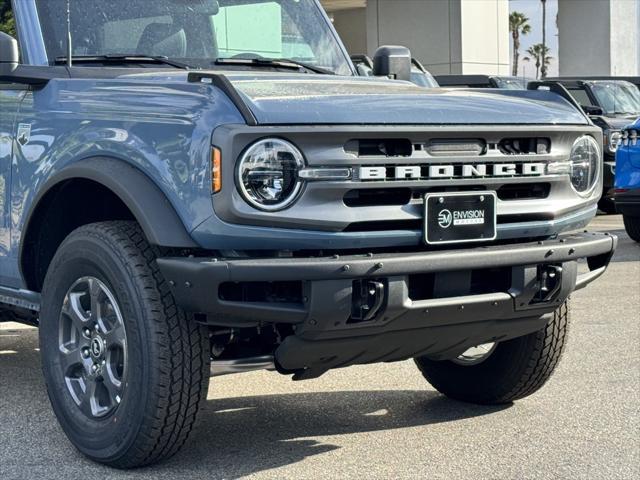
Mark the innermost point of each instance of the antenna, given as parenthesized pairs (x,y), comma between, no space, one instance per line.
(69,45)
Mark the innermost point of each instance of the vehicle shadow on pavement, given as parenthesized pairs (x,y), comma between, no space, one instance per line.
(234,437)
(245,435)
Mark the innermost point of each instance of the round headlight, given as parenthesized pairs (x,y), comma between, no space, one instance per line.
(268,174)
(585,164)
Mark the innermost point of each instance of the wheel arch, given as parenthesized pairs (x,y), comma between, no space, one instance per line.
(120,190)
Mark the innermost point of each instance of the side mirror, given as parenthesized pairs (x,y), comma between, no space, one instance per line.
(9,54)
(591,110)
(393,62)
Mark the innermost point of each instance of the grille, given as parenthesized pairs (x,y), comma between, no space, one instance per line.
(525,146)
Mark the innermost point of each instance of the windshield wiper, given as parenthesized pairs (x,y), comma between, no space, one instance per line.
(274,62)
(124,58)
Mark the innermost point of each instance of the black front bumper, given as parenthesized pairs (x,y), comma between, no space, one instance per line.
(460,308)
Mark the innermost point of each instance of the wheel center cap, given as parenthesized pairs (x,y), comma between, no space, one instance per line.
(97,347)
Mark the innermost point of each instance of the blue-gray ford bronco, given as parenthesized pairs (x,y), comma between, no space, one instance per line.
(190,188)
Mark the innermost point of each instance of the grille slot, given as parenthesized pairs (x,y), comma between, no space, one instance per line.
(384,147)
(524,191)
(418,224)
(376,197)
(525,146)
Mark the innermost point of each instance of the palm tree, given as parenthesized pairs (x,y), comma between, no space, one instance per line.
(541,55)
(518,25)
(543,67)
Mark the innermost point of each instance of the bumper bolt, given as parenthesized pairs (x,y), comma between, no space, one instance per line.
(346,268)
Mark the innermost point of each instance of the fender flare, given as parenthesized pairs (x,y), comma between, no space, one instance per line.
(148,204)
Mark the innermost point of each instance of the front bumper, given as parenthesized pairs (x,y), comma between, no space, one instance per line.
(628,202)
(474,295)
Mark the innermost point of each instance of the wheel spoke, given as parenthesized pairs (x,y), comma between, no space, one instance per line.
(95,292)
(116,337)
(73,309)
(71,358)
(88,400)
(114,387)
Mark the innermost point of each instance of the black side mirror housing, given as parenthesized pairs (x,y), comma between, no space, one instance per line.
(9,54)
(591,110)
(393,62)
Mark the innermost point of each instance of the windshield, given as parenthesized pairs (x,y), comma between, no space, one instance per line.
(617,98)
(194,32)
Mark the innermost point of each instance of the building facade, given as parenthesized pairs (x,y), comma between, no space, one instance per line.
(596,37)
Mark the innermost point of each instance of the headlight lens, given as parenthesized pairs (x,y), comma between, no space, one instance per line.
(268,174)
(585,164)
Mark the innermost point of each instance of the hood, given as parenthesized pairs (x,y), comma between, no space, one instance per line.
(310,99)
(613,123)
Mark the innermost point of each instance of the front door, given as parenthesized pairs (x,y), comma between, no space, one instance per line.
(10,97)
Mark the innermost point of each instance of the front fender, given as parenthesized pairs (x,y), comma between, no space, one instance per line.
(150,207)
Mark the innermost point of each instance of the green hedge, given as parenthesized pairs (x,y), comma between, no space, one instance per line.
(7,23)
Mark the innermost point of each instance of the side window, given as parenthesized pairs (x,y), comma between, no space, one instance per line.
(581,96)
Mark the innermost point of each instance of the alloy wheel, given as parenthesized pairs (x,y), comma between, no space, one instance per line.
(93,347)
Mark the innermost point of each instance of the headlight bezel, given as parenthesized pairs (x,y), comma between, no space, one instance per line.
(298,186)
(598,166)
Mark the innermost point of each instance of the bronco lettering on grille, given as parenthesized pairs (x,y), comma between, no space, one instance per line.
(430,172)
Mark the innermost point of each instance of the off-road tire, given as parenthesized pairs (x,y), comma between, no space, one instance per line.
(168,360)
(514,370)
(632,226)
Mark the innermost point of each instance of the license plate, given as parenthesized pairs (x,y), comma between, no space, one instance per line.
(460,217)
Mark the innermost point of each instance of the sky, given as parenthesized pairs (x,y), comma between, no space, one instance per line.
(533,10)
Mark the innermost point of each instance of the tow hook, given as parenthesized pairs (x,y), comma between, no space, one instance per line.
(368,298)
(549,281)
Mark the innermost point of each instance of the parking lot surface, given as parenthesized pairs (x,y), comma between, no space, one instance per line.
(380,421)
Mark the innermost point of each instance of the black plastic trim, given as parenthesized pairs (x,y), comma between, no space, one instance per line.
(34,76)
(556,87)
(150,207)
(223,83)
(25,299)
(195,281)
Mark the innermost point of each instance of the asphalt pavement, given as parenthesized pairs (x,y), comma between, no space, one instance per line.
(380,421)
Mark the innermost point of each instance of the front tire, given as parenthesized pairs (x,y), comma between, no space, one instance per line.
(125,369)
(514,369)
(632,226)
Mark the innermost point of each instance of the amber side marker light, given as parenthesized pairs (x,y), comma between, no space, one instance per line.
(216,170)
